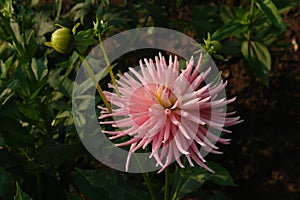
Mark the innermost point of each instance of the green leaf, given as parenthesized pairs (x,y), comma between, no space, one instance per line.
(221,175)
(203,20)
(72,196)
(116,186)
(100,10)
(226,13)
(232,48)
(258,58)
(89,191)
(14,134)
(5,185)
(178,3)
(7,93)
(59,154)
(284,5)
(7,159)
(269,8)
(8,66)
(39,68)
(31,46)
(20,195)
(45,25)
(84,39)
(229,29)
(190,186)
(196,177)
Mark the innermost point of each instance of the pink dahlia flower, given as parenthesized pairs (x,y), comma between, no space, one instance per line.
(172,111)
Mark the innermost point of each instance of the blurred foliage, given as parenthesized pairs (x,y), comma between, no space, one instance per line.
(41,156)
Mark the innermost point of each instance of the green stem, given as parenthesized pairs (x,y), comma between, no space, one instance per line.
(179,183)
(108,65)
(149,185)
(98,87)
(39,188)
(31,73)
(11,34)
(250,19)
(59,7)
(166,195)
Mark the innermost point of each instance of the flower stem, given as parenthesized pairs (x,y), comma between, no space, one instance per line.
(98,87)
(248,37)
(108,65)
(166,195)
(39,188)
(179,183)
(149,185)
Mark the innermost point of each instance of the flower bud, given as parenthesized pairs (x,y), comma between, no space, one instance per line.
(213,47)
(62,40)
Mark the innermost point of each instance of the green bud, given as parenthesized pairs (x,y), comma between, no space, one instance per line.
(62,40)
(213,47)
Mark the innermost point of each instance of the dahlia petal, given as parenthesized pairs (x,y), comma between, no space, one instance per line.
(174,120)
(129,142)
(169,157)
(197,152)
(156,156)
(140,144)
(167,131)
(112,132)
(179,143)
(157,141)
(193,118)
(193,133)
(199,162)
(137,74)
(190,160)
(196,82)
(176,64)
(164,150)
(129,157)
(196,71)
(202,91)
(183,131)
(211,150)
(177,104)
(177,158)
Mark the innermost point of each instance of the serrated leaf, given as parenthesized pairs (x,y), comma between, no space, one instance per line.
(20,195)
(258,58)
